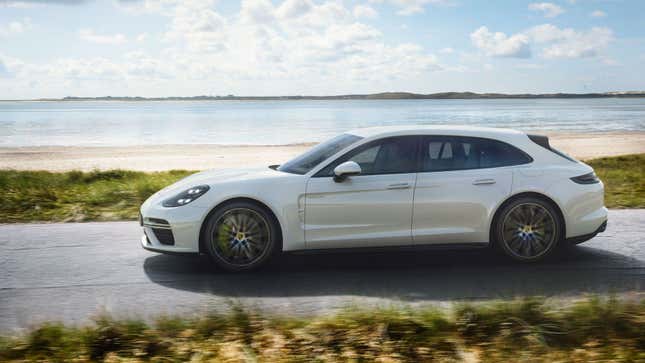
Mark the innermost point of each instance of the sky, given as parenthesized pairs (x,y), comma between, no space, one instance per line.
(164,48)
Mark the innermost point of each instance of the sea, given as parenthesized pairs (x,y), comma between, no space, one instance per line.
(282,122)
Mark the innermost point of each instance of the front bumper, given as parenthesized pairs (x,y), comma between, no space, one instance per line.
(171,230)
(147,245)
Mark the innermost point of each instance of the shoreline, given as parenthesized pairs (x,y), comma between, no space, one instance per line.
(207,156)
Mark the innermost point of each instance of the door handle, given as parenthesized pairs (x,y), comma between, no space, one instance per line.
(484,181)
(399,186)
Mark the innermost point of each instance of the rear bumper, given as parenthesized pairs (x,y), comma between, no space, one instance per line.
(584,238)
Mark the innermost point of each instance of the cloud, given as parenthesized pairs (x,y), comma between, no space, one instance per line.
(446,51)
(89,35)
(500,45)
(597,14)
(549,10)
(292,43)
(411,7)
(35,3)
(569,43)
(294,8)
(365,11)
(197,25)
(4,72)
(552,42)
(15,27)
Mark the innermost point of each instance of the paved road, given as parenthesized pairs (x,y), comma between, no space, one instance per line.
(70,272)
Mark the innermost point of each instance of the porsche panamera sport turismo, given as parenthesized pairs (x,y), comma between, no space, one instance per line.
(386,187)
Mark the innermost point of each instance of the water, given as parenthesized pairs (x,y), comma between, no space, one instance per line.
(285,122)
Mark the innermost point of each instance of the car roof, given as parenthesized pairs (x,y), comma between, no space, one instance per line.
(453,130)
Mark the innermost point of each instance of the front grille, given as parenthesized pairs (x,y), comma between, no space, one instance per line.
(164,236)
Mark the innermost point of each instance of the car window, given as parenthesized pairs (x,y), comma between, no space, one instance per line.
(310,159)
(441,153)
(386,156)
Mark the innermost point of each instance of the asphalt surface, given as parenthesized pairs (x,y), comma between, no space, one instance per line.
(72,272)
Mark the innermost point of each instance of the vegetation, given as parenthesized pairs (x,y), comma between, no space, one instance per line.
(624,178)
(75,196)
(78,196)
(527,330)
(372,96)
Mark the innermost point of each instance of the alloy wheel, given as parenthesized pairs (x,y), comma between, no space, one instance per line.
(529,231)
(241,237)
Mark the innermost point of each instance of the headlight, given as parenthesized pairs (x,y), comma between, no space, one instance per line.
(186,196)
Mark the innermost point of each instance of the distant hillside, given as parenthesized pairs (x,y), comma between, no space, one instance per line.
(374,96)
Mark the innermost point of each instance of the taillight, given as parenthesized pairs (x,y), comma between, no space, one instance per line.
(590,178)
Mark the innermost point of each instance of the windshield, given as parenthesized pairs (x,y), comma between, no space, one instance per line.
(317,154)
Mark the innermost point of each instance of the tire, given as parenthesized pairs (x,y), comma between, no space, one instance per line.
(528,229)
(241,236)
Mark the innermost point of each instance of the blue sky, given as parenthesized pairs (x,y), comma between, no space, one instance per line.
(288,47)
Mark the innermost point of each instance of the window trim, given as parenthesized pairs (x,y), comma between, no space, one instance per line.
(421,157)
(367,145)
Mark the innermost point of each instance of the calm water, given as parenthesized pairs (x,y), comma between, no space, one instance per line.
(286,122)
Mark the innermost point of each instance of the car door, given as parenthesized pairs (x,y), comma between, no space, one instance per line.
(460,183)
(370,209)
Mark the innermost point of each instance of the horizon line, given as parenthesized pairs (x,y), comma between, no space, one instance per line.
(355,96)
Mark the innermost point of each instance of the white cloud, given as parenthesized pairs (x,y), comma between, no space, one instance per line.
(198,26)
(4,71)
(295,43)
(597,14)
(500,45)
(294,8)
(529,66)
(549,10)
(34,3)
(411,7)
(89,35)
(553,42)
(569,43)
(15,27)
(446,51)
(365,11)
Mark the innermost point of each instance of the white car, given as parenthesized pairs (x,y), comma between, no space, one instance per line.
(385,187)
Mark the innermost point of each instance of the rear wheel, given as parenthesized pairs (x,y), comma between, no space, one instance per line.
(528,229)
(241,236)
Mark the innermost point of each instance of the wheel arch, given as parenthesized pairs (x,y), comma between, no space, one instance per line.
(530,194)
(224,203)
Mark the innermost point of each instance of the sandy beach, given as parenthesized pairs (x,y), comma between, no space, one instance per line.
(199,157)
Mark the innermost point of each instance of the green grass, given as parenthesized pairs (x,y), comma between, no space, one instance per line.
(524,330)
(78,196)
(74,196)
(624,178)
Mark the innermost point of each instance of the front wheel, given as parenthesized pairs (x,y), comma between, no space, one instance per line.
(241,236)
(528,229)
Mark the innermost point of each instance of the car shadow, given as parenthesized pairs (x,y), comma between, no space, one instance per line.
(408,276)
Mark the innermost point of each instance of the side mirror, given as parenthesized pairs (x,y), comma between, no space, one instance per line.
(348,168)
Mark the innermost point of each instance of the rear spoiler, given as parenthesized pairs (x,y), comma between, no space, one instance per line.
(544,142)
(540,140)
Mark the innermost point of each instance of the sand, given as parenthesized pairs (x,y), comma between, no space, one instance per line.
(199,157)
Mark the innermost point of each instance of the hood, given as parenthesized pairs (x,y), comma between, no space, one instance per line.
(216,176)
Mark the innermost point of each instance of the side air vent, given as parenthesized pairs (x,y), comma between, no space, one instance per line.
(157,221)
(164,236)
